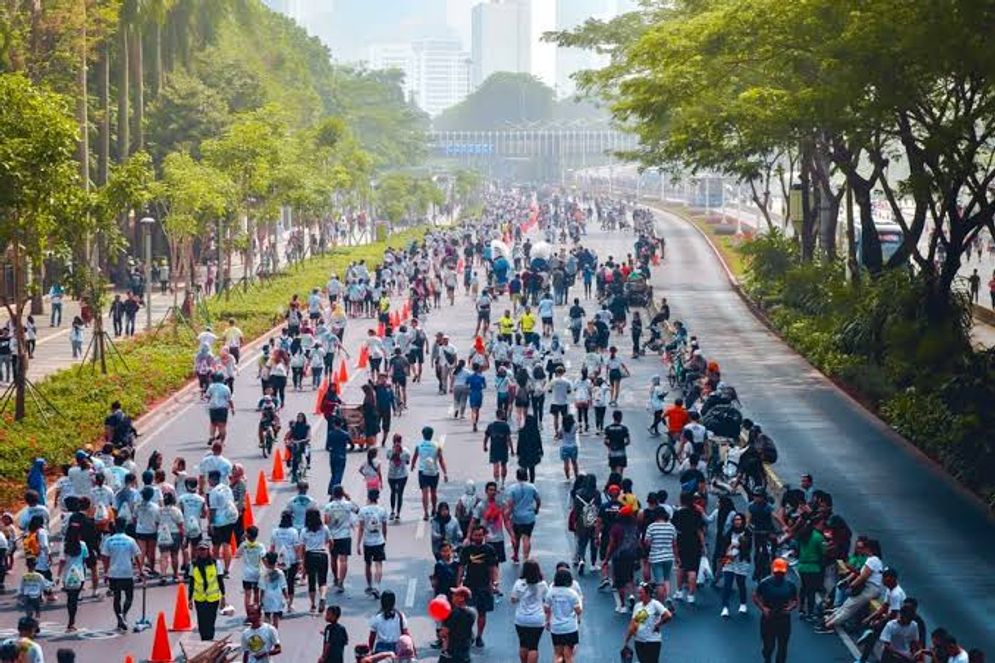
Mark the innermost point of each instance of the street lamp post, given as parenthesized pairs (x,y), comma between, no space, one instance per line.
(147,225)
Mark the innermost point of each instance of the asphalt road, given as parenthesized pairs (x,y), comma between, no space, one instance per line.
(938,539)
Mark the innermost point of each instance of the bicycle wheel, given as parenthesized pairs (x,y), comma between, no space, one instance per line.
(267,444)
(665,457)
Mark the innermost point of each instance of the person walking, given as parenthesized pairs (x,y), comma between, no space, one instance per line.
(737,546)
(528,596)
(648,618)
(259,641)
(776,596)
(523,504)
(206,590)
(121,556)
(372,538)
(76,337)
(72,574)
(563,606)
(337,443)
(387,626)
(429,461)
(457,629)
(398,457)
(529,446)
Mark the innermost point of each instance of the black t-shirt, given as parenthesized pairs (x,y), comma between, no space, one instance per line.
(336,638)
(576,311)
(776,593)
(399,366)
(478,560)
(460,624)
(445,576)
(617,436)
(692,474)
(761,517)
(499,432)
(688,523)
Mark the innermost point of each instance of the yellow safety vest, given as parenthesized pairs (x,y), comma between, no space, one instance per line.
(528,322)
(384,305)
(506,325)
(206,588)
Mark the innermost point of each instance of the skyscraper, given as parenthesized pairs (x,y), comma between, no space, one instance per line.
(436,71)
(571,14)
(502,38)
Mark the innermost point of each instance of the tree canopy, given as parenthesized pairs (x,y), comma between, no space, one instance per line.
(503,99)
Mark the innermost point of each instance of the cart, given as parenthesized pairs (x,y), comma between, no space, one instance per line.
(638,292)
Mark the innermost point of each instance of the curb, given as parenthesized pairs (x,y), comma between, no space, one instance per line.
(890,432)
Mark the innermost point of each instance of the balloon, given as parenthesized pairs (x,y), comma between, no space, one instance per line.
(439,608)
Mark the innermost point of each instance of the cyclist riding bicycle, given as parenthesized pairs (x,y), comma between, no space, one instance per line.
(268,406)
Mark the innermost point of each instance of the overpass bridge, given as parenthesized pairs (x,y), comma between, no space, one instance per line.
(548,152)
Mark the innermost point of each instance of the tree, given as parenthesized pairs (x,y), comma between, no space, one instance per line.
(504,98)
(186,113)
(37,173)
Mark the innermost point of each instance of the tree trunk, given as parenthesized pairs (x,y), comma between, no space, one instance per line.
(870,243)
(809,209)
(138,75)
(82,110)
(157,70)
(123,90)
(104,133)
(20,357)
(851,244)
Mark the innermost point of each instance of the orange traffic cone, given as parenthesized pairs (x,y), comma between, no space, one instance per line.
(161,653)
(343,375)
(248,518)
(262,492)
(233,542)
(128,658)
(322,390)
(364,356)
(181,610)
(277,473)
(380,329)
(395,319)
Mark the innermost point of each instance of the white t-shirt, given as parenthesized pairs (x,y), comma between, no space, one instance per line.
(222,502)
(900,637)
(560,389)
(81,479)
(146,517)
(374,520)
(338,514)
(562,603)
(529,610)
(219,463)
(298,506)
(121,549)
(315,540)
(387,630)
(647,615)
(252,560)
(206,338)
(284,541)
(192,506)
(272,584)
(894,598)
(259,640)
(877,567)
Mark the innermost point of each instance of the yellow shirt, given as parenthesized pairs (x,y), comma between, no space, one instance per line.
(506,325)
(527,322)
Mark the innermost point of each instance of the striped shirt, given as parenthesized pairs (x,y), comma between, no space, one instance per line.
(660,536)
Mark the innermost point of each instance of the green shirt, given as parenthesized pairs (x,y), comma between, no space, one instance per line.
(810,554)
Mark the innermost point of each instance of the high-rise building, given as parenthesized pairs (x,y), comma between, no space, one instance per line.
(502,38)
(436,71)
(571,14)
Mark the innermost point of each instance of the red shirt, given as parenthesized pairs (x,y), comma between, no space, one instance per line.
(677,418)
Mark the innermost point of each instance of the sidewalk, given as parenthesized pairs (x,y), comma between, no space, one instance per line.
(54,352)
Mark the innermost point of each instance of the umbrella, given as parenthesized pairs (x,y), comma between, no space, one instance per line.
(499,248)
(542,250)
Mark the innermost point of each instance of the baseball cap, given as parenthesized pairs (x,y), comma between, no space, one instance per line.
(80,454)
(779,565)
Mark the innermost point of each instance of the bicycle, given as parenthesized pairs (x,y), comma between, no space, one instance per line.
(666,455)
(266,444)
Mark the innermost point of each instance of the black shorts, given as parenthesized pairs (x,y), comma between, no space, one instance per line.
(428,480)
(416,356)
(615,375)
(222,534)
(529,636)
(622,570)
(482,599)
(250,584)
(498,453)
(342,547)
(499,553)
(384,421)
(150,536)
(194,540)
(218,415)
(618,461)
(547,321)
(690,554)
(486,317)
(522,529)
(374,553)
(120,584)
(565,639)
(375,363)
(559,409)
(400,379)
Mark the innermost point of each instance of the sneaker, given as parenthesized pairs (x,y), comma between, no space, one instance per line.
(631,601)
(679,595)
(368,591)
(742,608)
(824,630)
(425,517)
(122,625)
(580,568)
(690,599)
(605,583)
(339,589)
(478,643)
(621,610)
(724,613)
(321,606)
(375,593)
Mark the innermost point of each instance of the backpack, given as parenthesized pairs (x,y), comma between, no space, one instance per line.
(767,449)
(464,511)
(75,577)
(588,512)
(32,547)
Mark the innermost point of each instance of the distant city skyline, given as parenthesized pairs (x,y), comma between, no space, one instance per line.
(351,28)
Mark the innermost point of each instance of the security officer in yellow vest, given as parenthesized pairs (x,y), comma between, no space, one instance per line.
(206,589)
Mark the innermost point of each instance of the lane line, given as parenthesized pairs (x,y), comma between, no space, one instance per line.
(409,598)
(420,530)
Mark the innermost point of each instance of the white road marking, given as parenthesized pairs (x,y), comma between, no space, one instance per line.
(420,530)
(409,598)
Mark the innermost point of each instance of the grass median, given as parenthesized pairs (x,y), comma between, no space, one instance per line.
(157,366)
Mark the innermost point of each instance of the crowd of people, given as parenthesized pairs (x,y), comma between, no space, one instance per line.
(122,526)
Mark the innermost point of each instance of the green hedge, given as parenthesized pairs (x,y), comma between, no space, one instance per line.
(157,367)
(922,377)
